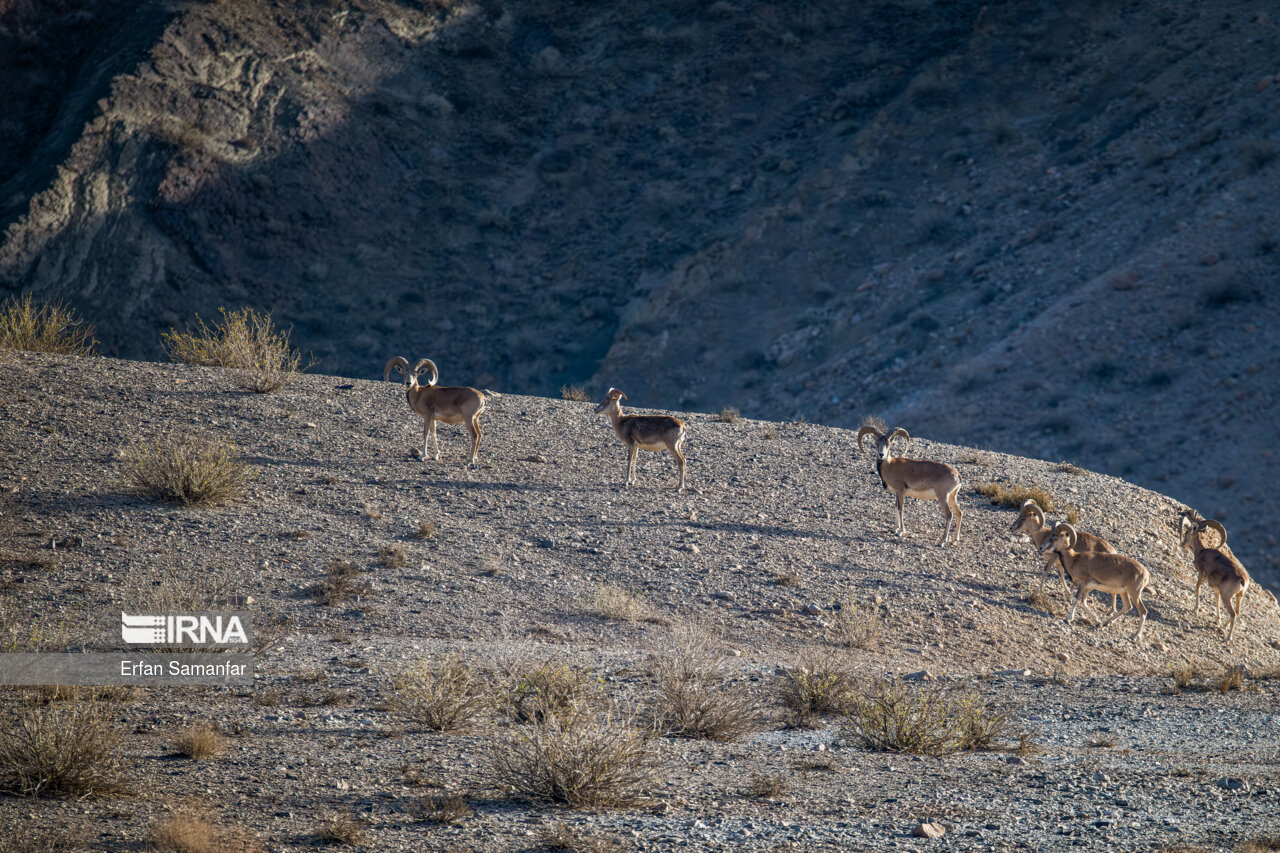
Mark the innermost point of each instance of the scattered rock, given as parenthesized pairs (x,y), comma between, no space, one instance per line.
(929,830)
(1232,783)
(920,675)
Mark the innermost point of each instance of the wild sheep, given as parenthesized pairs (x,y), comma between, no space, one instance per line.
(916,478)
(450,405)
(644,432)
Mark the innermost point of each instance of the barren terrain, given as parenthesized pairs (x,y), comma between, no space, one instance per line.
(784,522)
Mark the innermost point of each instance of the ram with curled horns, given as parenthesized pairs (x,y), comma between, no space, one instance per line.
(922,479)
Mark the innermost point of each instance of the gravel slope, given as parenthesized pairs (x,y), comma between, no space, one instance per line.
(785,521)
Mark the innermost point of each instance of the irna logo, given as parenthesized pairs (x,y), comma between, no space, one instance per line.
(185,629)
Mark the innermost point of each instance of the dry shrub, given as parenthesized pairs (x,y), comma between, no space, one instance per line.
(767,787)
(534,689)
(393,556)
(929,719)
(623,605)
(343,828)
(193,470)
(1069,468)
(442,808)
(1183,676)
(199,741)
(874,422)
(1261,844)
(575,392)
(21,838)
(1015,496)
(442,696)
(59,750)
(1040,601)
(341,582)
(854,626)
(193,830)
(560,836)
(47,327)
(729,415)
(695,695)
(426,530)
(817,685)
(585,758)
(769,434)
(246,341)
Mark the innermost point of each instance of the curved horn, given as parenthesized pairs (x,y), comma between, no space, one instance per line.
(868,430)
(901,432)
(1217,528)
(397,363)
(1072,536)
(426,362)
(1030,507)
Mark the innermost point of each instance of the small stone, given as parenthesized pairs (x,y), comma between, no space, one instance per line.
(1019,673)
(535,458)
(1264,83)
(812,609)
(693,549)
(1016,760)
(1064,657)
(920,675)
(1161,646)
(929,830)
(1232,783)
(1209,259)
(724,595)
(309,425)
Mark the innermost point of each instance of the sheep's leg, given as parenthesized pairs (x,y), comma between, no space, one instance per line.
(901,529)
(633,451)
(675,451)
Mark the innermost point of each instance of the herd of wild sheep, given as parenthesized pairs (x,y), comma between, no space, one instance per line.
(1090,561)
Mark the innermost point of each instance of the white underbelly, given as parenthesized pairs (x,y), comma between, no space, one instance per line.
(922,494)
(657,445)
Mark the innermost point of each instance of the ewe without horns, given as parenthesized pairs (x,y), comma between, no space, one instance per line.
(1113,573)
(647,432)
(1218,566)
(1031,521)
(450,405)
(916,478)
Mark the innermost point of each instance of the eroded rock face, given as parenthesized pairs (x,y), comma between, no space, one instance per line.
(977,223)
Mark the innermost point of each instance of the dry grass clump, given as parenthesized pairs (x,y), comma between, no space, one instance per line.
(586,758)
(1261,844)
(443,808)
(443,696)
(47,327)
(59,750)
(193,470)
(574,392)
(729,415)
(246,341)
(1232,678)
(1069,468)
(199,741)
(343,828)
(623,605)
(767,787)
(426,530)
(696,697)
(341,582)
(814,687)
(1015,496)
(854,626)
(193,830)
(930,719)
(534,689)
(27,839)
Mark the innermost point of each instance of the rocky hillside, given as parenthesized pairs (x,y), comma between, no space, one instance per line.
(781,549)
(1038,227)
